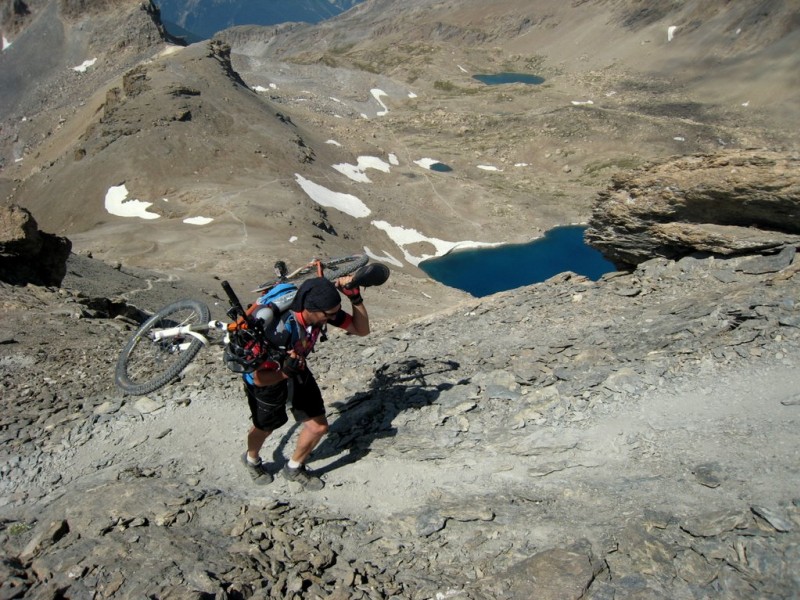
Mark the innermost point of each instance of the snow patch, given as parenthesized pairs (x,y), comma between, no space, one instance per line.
(358,172)
(347,203)
(333,143)
(117,203)
(463,70)
(378,94)
(293,239)
(489,168)
(671,32)
(198,220)
(426,163)
(387,258)
(393,160)
(81,68)
(6,43)
(405,237)
(260,89)
(412,95)
(581,102)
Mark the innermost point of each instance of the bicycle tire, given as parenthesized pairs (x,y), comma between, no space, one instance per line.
(344,265)
(145,365)
(332,269)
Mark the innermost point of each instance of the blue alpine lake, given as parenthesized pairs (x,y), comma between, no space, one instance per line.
(194,21)
(484,271)
(501,78)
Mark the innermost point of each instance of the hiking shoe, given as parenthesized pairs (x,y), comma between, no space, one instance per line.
(303,477)
(258,472)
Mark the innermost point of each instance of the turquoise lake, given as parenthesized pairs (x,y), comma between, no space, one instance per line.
(501,78)
(485,271)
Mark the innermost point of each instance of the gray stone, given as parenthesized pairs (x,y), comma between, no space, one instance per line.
(774,518)
(556,574)
(715,523)
(707,474)
(769,264)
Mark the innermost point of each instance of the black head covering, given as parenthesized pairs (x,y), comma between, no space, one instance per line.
(316,294)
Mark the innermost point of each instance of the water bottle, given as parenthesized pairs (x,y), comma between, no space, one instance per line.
(275,307)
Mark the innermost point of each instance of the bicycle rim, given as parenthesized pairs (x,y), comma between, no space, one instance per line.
(146,365)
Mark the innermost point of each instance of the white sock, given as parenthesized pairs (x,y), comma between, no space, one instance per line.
(293,464)
(256,461)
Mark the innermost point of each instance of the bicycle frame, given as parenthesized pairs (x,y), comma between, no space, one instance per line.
(194,331)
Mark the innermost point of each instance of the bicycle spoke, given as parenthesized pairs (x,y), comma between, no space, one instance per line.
(146,363)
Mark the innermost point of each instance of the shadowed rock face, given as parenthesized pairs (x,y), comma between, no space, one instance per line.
(28,255)
(728,204)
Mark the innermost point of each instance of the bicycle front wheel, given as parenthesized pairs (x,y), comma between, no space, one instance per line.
(146,364)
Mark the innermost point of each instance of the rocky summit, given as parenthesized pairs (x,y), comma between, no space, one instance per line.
(633,437)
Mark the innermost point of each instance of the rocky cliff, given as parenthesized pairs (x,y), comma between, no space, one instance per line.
(727,204)
(28,255)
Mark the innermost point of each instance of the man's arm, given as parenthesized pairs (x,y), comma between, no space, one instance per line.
(272,373)
(360,322)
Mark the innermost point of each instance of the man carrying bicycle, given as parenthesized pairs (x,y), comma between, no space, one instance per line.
(287,380)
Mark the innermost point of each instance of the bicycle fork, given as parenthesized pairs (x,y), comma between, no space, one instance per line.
(184,330)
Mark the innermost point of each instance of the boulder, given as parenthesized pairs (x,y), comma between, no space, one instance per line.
(728,204)
(28,255)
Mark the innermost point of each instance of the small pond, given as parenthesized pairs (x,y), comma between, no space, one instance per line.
(501,78)
(440,167)
(484,271)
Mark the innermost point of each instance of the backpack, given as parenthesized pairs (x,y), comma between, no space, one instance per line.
(276,301)
(246,348)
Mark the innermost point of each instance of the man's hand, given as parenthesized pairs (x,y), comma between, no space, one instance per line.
(354,293)
(293,365)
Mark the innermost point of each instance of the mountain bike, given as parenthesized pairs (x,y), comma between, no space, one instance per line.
(167,342)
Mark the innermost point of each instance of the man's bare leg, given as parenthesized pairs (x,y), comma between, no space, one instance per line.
(310,435)
(255,439)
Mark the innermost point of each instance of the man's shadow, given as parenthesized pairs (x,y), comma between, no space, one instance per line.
(367,416)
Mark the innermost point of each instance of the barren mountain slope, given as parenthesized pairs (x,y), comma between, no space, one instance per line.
(380,85)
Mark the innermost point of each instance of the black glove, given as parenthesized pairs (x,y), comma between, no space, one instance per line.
(354,294)
(293,365)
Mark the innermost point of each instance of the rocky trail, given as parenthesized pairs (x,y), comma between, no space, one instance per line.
(633,437)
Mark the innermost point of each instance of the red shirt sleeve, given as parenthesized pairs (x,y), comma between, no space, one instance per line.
(341,320)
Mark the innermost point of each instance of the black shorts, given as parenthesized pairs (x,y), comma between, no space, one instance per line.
(268,403)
